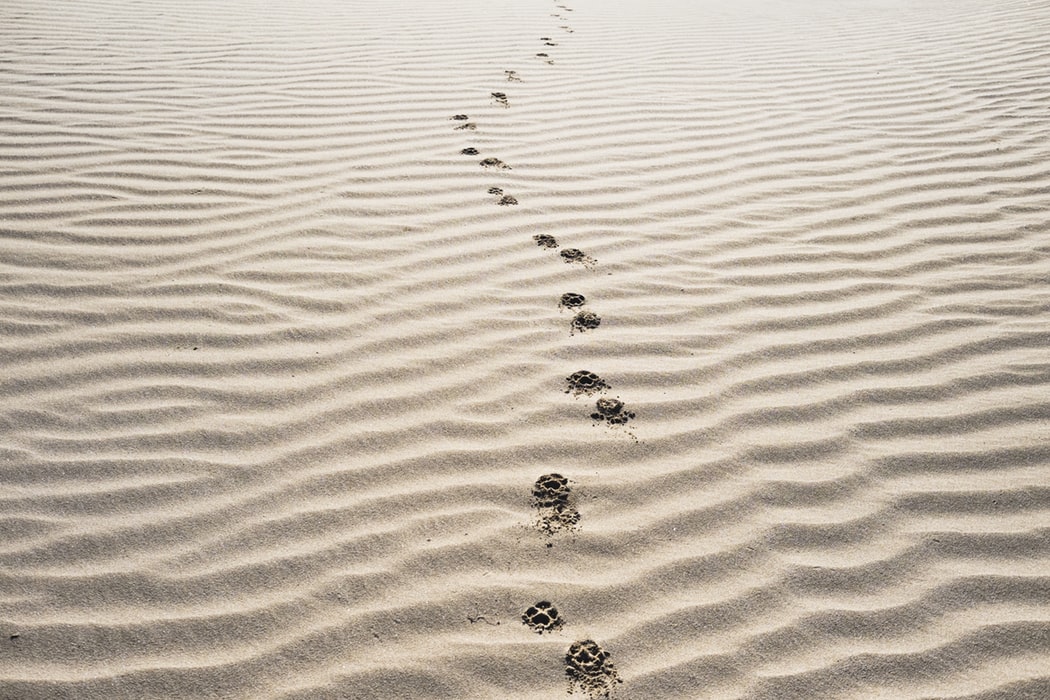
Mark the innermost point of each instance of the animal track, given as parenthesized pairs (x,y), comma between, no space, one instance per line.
(545,240)
(575,255)
(459,117)
(586,321)
(494,163)
(542,617)
(547,41)
(469,151)
(512,76)
(552,496)
(469,126)
(572,300)
(585,382)
(501,98)
(611,411)
(588,666)
(551,490)
(504,199)
(546,58)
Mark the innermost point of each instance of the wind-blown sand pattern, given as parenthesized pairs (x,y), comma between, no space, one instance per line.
(279,376)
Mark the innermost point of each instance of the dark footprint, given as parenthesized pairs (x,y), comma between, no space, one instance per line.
(545,240)
(575,255)
(586,321)
(546,58)
(459,118)
(494,163)
(501,97)
(469,151)
(552,496)
(547,41)
(542,617)
(584,382)
(551,490)
(588,666)
(572,300)
(504,199)
(611,411)
(469,126)
(512,76)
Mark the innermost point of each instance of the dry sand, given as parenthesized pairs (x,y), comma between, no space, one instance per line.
(280,373)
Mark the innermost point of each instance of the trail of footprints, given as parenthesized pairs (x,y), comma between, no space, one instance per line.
(587,665)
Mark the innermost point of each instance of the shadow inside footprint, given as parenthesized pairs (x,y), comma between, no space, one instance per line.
(496,190)
(459,117)
(586,321)
(501,98)
(469,151)
(611,411)
(542,617)
(494,163)
(588,666)
(575,255)
(585,382)
(545,240)
(572,300)
(507,200)
(552,496)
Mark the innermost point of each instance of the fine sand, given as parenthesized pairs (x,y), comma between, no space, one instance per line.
(280,372)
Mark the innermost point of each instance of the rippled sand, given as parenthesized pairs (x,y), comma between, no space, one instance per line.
(280,373)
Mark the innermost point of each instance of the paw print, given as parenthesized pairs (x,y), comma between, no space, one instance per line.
(542,617)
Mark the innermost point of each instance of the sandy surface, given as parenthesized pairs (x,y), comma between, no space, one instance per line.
(279,372)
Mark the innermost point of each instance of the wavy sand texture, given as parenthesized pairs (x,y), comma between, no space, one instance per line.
(279,375)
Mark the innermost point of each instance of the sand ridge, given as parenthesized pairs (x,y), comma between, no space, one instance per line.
(281,373)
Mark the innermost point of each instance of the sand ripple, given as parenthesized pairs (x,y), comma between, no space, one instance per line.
(279,375)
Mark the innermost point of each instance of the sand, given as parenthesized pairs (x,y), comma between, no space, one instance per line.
(280,373)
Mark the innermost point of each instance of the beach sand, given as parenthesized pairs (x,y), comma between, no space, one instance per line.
(283,364)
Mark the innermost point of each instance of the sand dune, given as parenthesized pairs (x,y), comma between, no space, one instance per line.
(281,373)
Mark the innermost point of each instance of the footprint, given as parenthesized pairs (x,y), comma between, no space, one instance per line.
(545,240)
(469,151)
(571,300)
(504,199)
(585,382)
(546,58)
(494,163)
(551,490)
(586,321)
(575,255)
(611,411)
(552,496)
(501,97)
(547,41)
(542,617)
(469,126)
(459,118)
(588,666)
(512,76)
